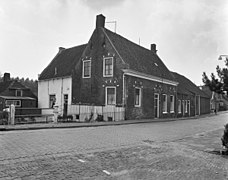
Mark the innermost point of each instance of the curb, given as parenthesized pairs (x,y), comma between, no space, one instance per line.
(83,125)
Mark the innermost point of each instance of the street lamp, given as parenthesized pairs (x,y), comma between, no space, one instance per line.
(221,56)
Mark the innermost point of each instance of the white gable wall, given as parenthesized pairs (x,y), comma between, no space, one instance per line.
(57,87)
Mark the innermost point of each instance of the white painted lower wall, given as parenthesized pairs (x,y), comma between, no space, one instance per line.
(58,87)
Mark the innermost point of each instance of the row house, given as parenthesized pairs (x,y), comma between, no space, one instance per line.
(110,71)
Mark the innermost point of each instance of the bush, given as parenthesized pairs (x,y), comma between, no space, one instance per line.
(225,137)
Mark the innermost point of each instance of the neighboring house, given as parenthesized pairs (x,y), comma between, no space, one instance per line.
(110,71)
(13,92)
(221,99)
(191,101)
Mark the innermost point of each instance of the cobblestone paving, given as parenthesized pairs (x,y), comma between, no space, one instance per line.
(142,151)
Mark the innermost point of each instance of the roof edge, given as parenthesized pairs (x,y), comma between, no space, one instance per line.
(149,77)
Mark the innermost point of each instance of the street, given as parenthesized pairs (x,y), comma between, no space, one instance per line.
(111,152)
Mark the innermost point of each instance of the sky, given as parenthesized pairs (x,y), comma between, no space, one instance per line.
(189,34)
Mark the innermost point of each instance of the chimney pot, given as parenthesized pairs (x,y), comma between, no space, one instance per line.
(153,48)
(6,77)
(100,21)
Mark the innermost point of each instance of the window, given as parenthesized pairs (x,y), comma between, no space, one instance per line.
(17,103)
(110,95)
(137,97)
(86,69)
(183,106)
(171,103)
(164,103)
(189,107)
(186,106)
(18,92)
(179,106)
(52,101)
(108,67)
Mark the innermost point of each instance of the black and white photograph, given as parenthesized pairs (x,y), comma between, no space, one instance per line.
(113,89)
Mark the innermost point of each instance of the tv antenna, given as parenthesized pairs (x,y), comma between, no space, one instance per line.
(115,22)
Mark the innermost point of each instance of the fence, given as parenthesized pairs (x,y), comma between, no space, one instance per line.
(96,113)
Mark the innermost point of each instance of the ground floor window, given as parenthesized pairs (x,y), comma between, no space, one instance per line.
(186,106)
(17,103)
(52,100)
(164,103)
(179,106)
(137,97)
(110,95)
(171,103)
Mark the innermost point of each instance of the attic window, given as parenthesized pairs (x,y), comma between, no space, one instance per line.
(18,93)
(155,64)
(108,67)
(86,69)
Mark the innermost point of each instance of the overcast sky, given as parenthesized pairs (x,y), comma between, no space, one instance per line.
(190,34)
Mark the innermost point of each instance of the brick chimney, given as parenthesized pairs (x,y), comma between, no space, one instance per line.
(100,22)
(153,48)
(6,77)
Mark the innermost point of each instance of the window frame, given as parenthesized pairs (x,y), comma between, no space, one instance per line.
(104,65)
(172,104)
(186,106)
(106,95)
(18,90)
(179,106)
(140,97)
(83,69)
(164,105)
(15,104)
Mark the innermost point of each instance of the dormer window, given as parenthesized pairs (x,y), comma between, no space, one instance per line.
(108,67)
(19,93)
(86,73)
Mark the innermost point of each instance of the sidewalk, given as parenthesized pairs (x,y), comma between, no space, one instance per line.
(94,124)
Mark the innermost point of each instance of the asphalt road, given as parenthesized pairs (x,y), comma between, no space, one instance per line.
(38,143)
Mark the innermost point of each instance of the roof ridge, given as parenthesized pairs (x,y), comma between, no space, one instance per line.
(131,41)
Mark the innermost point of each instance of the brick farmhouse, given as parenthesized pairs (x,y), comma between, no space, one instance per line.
(110,70)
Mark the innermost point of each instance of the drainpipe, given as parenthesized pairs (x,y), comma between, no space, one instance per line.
(123,99)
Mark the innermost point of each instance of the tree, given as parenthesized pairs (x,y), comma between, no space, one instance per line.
(220,84)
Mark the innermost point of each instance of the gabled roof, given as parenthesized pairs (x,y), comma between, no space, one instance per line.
(138,58)
(63,63)
(187,87)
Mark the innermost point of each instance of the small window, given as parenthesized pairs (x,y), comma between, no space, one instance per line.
(171,103)
(86,69)
(164,103)
(179,106)
(108,67)
(17,103)
(137,97)
(52,101)
(110,95)
(19,93)
(186,106)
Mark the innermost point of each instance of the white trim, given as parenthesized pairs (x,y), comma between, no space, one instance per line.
(173,104)
(166,104)
(83,69)
(179,106)
(13,103)
(106,95)
(19,91)
(149,77)
(140,97)
(158,105)
(104,75)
